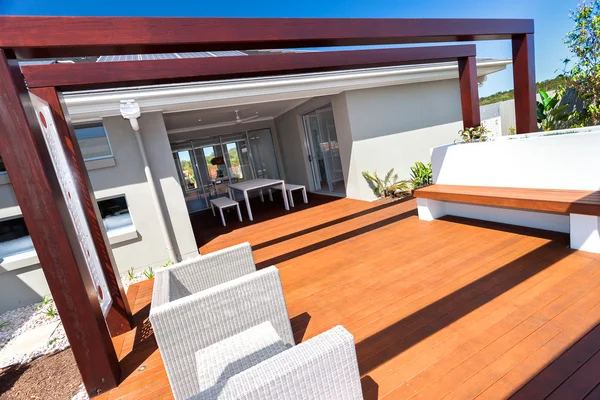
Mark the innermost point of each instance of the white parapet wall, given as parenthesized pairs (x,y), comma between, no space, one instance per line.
(549,160)
(567,160)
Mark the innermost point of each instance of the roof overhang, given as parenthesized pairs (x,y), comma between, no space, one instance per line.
(94,105)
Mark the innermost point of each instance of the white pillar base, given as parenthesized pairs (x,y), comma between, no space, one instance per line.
(585,233)
(430,209)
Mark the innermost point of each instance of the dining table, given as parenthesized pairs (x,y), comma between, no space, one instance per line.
(257,184)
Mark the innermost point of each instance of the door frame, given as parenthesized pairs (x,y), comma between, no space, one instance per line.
(308,143)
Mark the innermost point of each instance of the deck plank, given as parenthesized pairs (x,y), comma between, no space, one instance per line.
(451,308)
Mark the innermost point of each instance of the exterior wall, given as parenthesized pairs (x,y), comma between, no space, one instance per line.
(539,162)
(378,129)
(27,284)
(290,128)
(393,127)
(128,178)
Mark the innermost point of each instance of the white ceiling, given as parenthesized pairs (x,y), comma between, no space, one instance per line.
(186,120)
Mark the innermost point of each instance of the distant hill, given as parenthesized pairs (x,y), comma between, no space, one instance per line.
(547,86)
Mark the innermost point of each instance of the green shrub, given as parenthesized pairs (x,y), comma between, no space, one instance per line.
(389,186)
(421,175)
(474,134)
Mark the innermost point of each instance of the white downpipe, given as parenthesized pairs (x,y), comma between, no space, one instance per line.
(131,110)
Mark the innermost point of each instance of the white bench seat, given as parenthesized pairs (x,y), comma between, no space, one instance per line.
(290,187)
(222,203)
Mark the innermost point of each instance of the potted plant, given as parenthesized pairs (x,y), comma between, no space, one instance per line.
(474,134)
(421,175)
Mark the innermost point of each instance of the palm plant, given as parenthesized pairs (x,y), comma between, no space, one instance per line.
(549,113)
(389,186)
(421,175)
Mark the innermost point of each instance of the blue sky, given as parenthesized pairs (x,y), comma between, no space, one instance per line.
(550,16)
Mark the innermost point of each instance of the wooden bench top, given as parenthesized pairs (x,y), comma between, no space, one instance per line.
(550,200)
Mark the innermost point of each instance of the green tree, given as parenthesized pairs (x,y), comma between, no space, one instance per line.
(548,85)
(584,75)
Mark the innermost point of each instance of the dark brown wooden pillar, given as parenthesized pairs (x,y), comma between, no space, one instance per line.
(524,79)
(469,91)
(38,192)
(119,318)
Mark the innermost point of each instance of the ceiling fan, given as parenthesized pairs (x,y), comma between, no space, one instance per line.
(239,120)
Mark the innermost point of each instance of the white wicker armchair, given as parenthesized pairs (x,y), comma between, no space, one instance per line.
(257,365)
(202,301)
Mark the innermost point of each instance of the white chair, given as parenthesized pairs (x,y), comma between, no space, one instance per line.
(202,301)
(222,203)
(257,364)
(290,187)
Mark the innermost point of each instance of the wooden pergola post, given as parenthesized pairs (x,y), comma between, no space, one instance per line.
(469,92)
(118,319)
(524,80)
(37,189)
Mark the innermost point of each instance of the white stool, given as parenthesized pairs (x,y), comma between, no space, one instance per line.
(289,187)
(224,202)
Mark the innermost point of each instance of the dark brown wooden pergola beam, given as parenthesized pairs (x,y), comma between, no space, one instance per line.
(93,75)
(38,37)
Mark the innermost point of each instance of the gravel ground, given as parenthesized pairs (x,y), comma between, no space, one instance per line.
(15,322)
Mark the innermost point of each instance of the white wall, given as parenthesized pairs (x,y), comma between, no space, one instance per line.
(393,127)
(568,161)
(128,178)
(290,129)
(378,129)
(26,285)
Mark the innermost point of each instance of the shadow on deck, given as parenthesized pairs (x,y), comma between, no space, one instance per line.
(452,308)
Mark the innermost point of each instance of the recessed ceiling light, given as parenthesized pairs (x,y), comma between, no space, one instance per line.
(200,120)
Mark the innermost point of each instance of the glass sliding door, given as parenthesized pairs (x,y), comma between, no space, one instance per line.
(237,157)
(323,150)
(206,166)
(190,180)
(263,154)
(213,162)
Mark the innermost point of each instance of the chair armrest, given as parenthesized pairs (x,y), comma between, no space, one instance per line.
(322,368)
(184,326)
(201,273)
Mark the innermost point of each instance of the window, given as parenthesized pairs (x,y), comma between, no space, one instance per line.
(14,237)
(115,214)
(93,141)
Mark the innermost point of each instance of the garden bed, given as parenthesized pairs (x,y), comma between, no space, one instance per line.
(47,370)
(46,378)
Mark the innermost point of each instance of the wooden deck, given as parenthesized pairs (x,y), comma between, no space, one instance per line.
(453,308)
